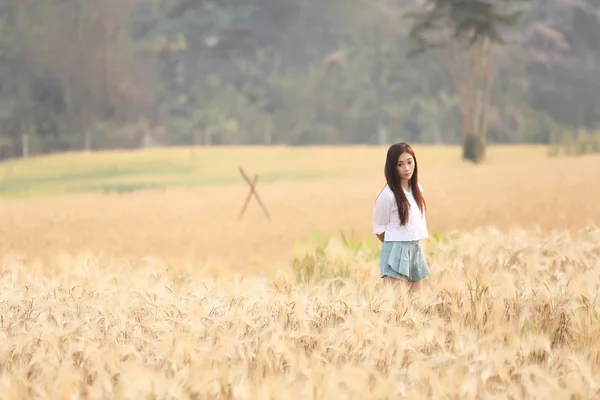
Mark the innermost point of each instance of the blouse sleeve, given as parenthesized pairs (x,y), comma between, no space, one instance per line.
(381,213)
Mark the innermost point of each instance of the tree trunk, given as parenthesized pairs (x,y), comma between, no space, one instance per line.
(471,69)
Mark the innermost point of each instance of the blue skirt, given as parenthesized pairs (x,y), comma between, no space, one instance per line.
(403,260)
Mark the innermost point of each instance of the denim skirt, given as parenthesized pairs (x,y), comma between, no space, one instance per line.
(403,260)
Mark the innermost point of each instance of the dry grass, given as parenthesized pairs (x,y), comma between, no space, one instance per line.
(503,317)
(163,294)
(199,225)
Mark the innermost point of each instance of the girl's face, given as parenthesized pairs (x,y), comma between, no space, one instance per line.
(405,166)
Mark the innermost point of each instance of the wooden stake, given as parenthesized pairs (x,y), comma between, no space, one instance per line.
(252,192)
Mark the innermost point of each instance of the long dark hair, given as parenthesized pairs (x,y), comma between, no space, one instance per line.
(393,180)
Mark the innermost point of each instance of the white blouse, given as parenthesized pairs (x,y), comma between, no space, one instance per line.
(386,218)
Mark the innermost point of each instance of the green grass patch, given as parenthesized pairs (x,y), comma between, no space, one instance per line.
(125,171)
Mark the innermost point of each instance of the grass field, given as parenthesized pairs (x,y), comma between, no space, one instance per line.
(123,171)
(127,275)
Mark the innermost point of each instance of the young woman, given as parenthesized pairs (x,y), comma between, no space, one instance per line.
(399,219)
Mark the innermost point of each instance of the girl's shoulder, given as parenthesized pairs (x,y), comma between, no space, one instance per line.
(386,193)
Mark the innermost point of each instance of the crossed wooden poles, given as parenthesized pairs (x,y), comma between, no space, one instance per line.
(252,192)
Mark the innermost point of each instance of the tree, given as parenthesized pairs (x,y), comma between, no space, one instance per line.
(469,30)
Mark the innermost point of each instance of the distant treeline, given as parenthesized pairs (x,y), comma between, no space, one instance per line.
(76,74)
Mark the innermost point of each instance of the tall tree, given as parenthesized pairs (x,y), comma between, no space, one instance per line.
(468,30)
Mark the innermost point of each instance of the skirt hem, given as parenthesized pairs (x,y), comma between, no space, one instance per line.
(403,260)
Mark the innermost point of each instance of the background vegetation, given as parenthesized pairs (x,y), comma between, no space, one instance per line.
(105,74)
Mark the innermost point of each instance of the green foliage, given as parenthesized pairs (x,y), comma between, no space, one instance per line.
(473,20)
(283,72)
(316,266)
(125,188)
(324,263)
(584,143)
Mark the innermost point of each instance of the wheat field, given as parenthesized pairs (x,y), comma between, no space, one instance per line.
(163,293)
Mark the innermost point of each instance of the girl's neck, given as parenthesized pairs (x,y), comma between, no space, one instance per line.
(405,184)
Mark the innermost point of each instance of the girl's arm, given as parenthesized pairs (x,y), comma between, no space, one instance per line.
(381,215)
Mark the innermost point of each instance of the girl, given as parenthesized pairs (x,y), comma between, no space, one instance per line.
(399,219)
